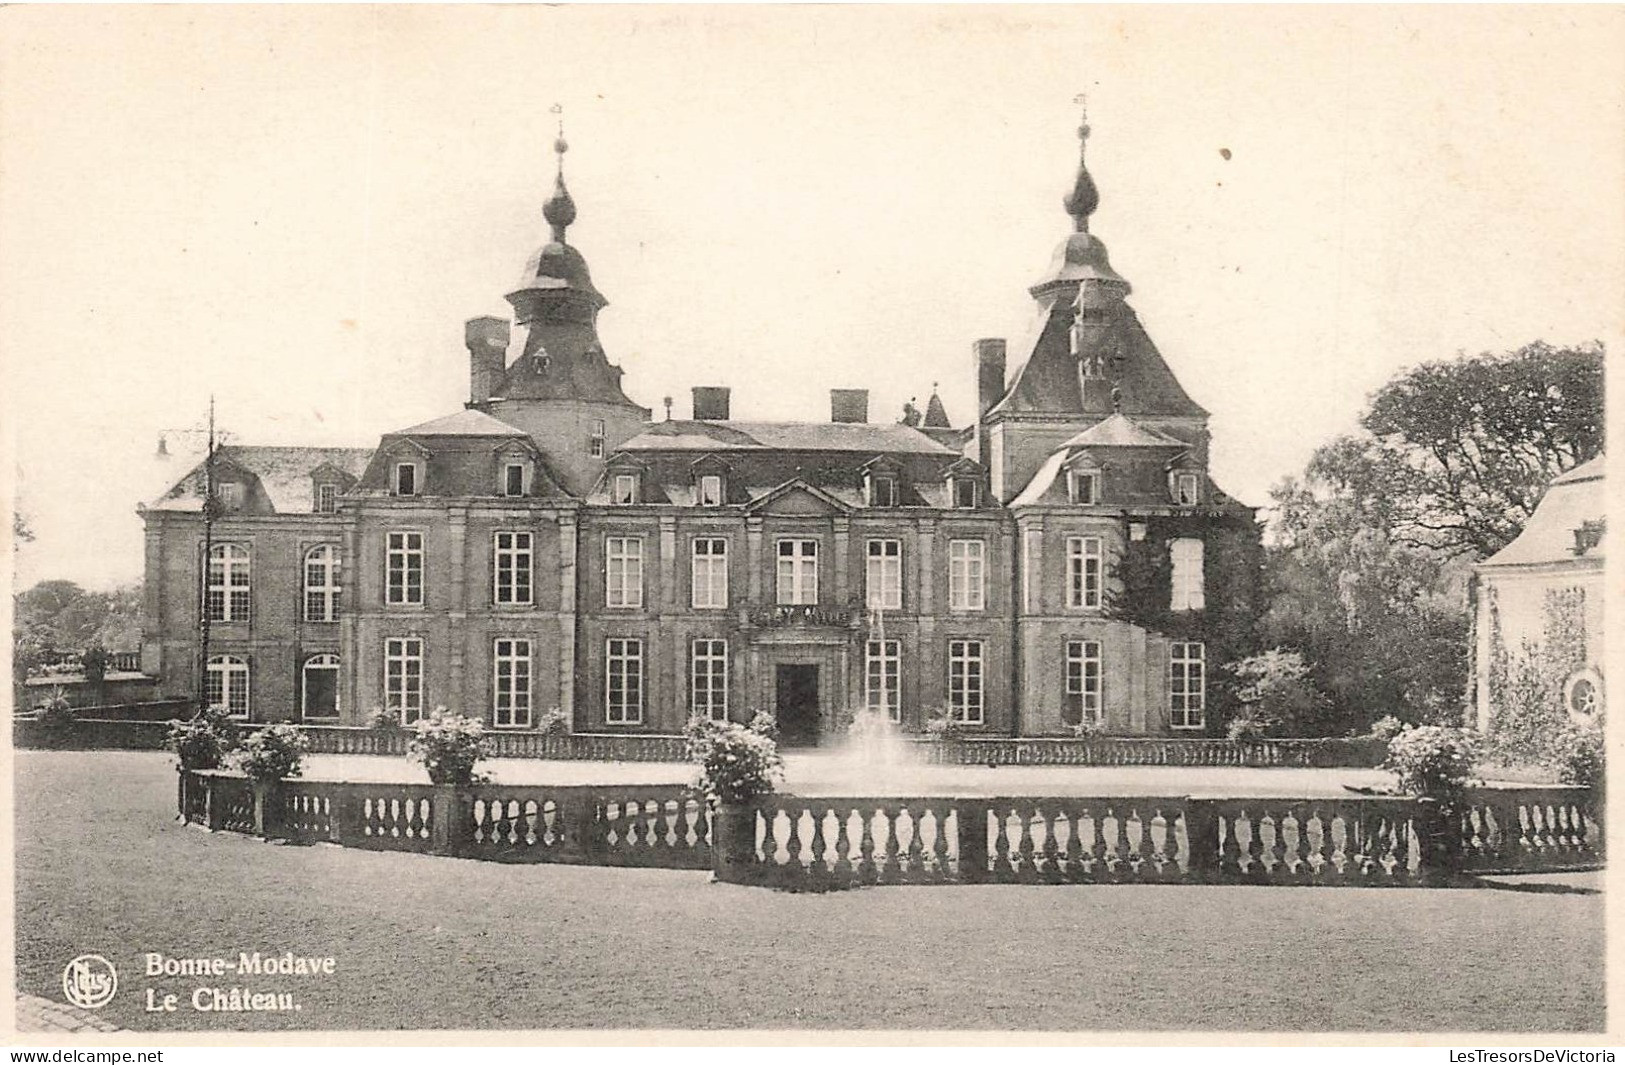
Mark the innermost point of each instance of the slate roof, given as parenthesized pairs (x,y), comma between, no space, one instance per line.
(283,474)
(1047,382)
(1119,430)
(463,423)
(1576,497)
(784,436)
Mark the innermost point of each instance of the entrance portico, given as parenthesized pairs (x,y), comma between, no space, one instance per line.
(804,678)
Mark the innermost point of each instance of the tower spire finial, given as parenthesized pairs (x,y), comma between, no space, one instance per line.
(1081,202)
(560,209)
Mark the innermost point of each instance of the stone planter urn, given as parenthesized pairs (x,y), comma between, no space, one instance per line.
(733,843)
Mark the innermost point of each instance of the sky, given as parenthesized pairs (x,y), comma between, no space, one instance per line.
(294,210)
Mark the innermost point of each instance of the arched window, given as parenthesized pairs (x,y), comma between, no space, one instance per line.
(227,594)
(319,686)
(225,686)
(322,583)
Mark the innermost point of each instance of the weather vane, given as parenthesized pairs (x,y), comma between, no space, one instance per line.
(1082,100)
(560,145)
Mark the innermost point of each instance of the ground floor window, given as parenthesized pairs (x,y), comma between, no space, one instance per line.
(511,685)
(623,681)
(225,685)
(403,677)
(882,685)
(319,686)
(965,681)
(708,677)
(1187,685)
(1083,704)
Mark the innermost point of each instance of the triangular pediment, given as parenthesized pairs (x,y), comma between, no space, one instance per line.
(328,473)
(404,446)
(798,498)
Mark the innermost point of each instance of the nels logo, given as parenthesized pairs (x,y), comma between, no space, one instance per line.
(89,981)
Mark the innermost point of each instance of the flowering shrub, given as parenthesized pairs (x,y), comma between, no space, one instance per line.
(204,741)
(1432,760)
(1578,756)
(736,763)
(273,753)
(381,720)
(941,724)
(554,722)
(56,712)
(1247,727)
(1385,728)
(449,747)
(765,724)
(1278,697)
(1087,729)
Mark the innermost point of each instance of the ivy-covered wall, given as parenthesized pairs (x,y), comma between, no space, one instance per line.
(1526,682)
(1140,592)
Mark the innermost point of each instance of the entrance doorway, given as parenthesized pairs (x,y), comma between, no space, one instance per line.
(796,703)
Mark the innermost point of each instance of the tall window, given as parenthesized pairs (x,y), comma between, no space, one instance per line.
(708,679)
(965,681)
(623,681)
(512,568)
(406,478)
(967,574)
(1185,489)
(510,688)
(403,569)
(403,677)
(1187,685)
(327,498)
(798,572)
(623,489)
(883,578)
(882,682)
(513,479)
(623,572)
(227,595)
(1186,556)
(965,492)
(319,686)
(322,583)
(225,685)
(230,495)
(595,440)
(1083,682)
(1083,572)
(708,573)
(711,490)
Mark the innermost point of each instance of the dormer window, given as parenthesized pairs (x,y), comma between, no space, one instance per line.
(623,489)
(882,490)
(327,498)
(230,495)
(1083,486)
(595,441)
(1185,488)
(710,490)
(406,479)
(513,478)
(965,492)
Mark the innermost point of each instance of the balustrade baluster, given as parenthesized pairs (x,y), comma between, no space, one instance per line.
(1003,872)
(1121,867)
(1230,847)
(889,870)
(1146,867)
(915,871)
(1072,854)
(1046,818)
(866,849)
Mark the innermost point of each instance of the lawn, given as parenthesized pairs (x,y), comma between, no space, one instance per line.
(426,942)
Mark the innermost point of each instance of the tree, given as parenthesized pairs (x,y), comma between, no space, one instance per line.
(1457,452)
(21,531)
(1278,696)
(1370,549)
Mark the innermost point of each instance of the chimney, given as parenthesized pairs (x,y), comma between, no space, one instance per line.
(989,374)
(487,343)
(849,405)
(710,403)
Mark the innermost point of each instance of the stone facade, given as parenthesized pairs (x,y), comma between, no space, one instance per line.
(550,546)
